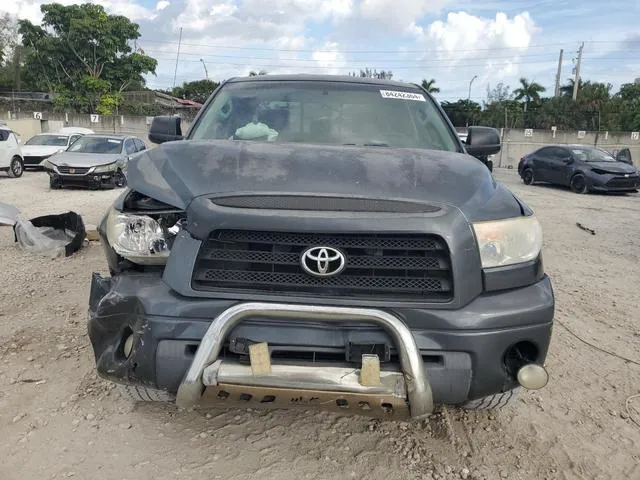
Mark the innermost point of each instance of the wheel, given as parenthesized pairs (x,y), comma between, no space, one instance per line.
(53,185)
(527,176)
(119,179)
(492,402)
(144,394)
(16,167)
(489,164)
(579,183)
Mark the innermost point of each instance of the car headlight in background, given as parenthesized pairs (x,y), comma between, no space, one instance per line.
(47,164)
(507,242)
(111,167)
(140,238)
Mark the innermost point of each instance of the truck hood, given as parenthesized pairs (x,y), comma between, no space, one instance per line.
(177,172)
(72,159)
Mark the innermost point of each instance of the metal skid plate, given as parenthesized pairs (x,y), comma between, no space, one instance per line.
(374,405)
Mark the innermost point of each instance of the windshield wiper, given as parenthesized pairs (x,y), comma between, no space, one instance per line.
(369,144)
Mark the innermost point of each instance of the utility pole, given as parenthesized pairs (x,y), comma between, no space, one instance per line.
(206,74)
(576,79)
(175,72)
(557,91)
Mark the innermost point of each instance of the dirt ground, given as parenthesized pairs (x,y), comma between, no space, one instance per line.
(58,420)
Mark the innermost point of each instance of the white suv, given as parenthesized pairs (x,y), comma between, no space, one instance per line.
(11,160)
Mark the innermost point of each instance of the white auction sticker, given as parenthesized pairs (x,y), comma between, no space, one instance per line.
(417,97)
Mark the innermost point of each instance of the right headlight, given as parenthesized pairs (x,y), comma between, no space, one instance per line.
(110,167)
(140,238)
(510,241)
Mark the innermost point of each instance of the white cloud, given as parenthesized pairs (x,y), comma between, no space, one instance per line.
(330,58)
(30,9)
(162,4)
(399,13)
(462,33)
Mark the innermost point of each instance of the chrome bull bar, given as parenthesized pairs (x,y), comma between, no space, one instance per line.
(419,393)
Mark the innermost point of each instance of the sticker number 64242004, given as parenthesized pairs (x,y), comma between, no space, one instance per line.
(402,95)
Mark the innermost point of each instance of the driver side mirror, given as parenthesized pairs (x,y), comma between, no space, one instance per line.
(482,141)
(624,156)
(568,160)
(165,129)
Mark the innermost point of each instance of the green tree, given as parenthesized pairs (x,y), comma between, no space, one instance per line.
(566,90)
(529,92)
(430,85)
(373,73)
(198,90)
(83,53)
(462,111)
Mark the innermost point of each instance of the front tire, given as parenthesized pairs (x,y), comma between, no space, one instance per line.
(492,402)
(119,179)
(527,177)
(579,183)
(144,394)
(53,185)
(16,167)
(490,165)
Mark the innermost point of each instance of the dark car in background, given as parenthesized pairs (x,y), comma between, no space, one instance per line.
(95,161)
(582,168)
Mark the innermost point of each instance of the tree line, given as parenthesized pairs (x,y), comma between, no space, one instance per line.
(90,60)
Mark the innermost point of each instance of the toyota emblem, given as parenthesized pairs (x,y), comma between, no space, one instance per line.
(323,261)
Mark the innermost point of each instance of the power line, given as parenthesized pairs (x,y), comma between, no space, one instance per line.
(338,50)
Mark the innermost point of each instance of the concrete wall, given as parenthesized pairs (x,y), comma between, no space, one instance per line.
(515,144)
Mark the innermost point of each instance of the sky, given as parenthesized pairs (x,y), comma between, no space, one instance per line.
(450,41)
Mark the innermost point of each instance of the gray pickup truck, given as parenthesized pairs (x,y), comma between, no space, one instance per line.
(321,241)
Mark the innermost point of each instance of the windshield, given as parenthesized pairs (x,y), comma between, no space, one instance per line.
(96,145)
(592,155)
(48,140)
(332,113)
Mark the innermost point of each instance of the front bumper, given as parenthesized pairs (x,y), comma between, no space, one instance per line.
(614,183)
(91,180)
(461,351)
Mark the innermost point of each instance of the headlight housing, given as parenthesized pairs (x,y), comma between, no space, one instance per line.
(140,238)
(111,167)
(47,164)
(508,242)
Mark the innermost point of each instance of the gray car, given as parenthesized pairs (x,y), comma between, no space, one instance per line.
(95,161)
(320,241)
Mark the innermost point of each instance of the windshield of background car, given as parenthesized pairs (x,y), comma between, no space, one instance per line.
(331,113)
(96,145)
(48,140)
(592,155)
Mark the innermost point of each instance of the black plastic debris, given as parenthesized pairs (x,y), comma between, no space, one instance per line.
(53,235)
(586,229)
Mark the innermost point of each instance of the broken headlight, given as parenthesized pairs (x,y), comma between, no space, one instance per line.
(142,239)
(510,241)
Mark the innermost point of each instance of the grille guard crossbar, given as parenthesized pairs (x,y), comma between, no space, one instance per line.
(419,393)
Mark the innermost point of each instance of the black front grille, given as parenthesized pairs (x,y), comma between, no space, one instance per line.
(30,160)
(385,267)
(73,170)
(624,182)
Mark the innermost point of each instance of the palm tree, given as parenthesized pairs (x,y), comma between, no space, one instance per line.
(529,92)
(430,86)
(567,90)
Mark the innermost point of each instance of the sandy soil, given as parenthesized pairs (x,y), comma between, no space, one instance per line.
(58,420)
